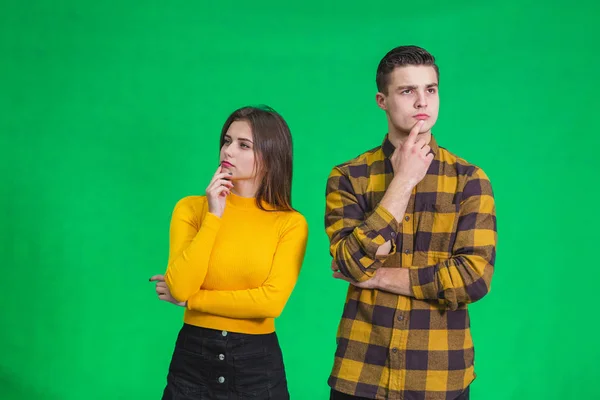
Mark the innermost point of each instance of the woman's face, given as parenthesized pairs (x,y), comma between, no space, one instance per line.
(237,154)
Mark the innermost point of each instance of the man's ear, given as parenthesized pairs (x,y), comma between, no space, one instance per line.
(380,99)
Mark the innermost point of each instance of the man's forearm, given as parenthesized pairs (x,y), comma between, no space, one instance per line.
(395,202)
(396,198)
(394,280)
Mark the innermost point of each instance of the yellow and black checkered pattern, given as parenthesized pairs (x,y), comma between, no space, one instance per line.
(396,347)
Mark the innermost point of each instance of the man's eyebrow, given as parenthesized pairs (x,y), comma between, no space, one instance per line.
(404,87)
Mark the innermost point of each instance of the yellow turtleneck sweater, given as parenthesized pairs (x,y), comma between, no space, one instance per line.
(238,271)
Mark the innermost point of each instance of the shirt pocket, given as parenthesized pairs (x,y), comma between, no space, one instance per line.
(435,232)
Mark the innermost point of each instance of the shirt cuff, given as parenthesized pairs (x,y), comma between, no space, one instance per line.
(381,226)
(211,221)
(195,302)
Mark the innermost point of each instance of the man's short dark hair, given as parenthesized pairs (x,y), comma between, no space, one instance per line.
(402,56)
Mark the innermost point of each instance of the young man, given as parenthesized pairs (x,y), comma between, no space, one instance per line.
(413,229)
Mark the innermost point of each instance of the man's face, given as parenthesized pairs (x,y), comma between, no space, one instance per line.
(412,96)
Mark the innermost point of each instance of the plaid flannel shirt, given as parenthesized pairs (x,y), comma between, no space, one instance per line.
(397,347)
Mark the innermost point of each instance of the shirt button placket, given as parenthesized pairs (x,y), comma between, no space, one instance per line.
(407,228)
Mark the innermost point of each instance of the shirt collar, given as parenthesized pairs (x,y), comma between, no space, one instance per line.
(388,148)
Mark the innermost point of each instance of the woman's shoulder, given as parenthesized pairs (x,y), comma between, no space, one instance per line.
(294,219)
(191,205)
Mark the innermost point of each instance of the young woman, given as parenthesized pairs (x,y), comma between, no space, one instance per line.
(235,255)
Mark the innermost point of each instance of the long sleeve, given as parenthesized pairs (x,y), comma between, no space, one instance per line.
(466,276)
(354,236)
(268,300)
(191,242)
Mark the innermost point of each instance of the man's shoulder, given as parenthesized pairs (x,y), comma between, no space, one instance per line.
(453,165)
(359,165)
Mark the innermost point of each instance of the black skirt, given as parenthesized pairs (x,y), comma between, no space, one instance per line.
(222,365)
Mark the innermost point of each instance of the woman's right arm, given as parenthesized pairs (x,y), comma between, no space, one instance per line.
(190,245)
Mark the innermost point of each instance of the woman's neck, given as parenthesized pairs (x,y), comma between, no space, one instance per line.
(245,188)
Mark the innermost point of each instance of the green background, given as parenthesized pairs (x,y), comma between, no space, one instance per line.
(110,112)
